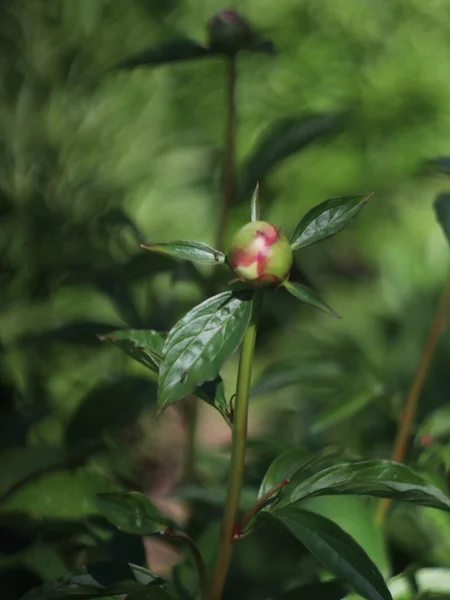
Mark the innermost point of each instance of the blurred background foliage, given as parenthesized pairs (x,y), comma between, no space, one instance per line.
(94,162)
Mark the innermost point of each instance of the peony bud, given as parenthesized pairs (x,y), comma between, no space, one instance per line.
(228,32)
(261,254)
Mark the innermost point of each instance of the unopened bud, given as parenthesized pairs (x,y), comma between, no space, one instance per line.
(228,32)
(260,254)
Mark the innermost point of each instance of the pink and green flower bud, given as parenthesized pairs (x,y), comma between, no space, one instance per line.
(260,254)
(228,32)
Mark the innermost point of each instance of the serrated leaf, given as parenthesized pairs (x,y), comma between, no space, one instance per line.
(110,408)
(305,294)
(95,581)
(132,512)
(379,478)
(336,550)
(442,209)
(187,250)
(169,52)
(200,342)
(144,345)
(326,219)
(282,139)
(254,205)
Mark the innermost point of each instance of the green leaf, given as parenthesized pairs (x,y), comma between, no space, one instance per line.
(199,343)
(442,208)
(174,51)
(341,410)
(328,590)
(282,139)
(132,512)
(326,219)
(436,425)
(97,580)
(110,408)
(20,465)
(186,250)
(282,467)
(336,550)
(254,205)
(144,345)
(379,478)
(303,293)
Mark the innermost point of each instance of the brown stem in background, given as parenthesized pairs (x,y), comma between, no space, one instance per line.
(410,406)
(229,167)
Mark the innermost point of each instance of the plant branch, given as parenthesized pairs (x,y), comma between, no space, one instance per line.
(259,504)
(229,167)
(412,399)
(198,558)
(236,473)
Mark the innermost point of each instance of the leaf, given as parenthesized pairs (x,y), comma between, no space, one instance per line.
(97,580)
(144,345)
(21,464)
(326,219)
(254,205)
(169,52)
(110,408)
(341,410)
(336,550)
(132,512)
(442,209)
(436,425)
(379,478)
(303,293)
(199,343)
(187,250)
(282,467)
(282,139)
(215,496)
(153,593)
(328,590)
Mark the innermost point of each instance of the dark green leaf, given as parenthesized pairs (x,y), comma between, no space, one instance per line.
(199,343)
(187,250)
(442,208)
(336,550)
(379,478)
(110,408)
(283,467)
(328,590)
(22,464)
(326,219)
(213,393)
(132,512)
(303,293)
(95,581)
(174,51)
(254,205)
(284,138)
(144,345)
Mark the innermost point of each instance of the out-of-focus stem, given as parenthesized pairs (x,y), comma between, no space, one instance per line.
(412,399)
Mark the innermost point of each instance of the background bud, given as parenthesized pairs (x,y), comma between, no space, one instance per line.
(261,254)
(229,32)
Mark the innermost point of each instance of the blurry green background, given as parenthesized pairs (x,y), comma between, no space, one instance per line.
(95,161)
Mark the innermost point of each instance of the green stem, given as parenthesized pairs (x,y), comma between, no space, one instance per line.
(229,168)
(236,473)
(198,558)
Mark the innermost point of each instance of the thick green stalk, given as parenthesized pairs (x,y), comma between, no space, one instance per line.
(236,473)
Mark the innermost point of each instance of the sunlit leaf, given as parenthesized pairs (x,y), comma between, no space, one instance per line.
(282,139)
(335,549)
(442,208)
(132,512)
(379,478)
(170,52)
(326,219)
(187,250)
(199,343)
(303,293)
